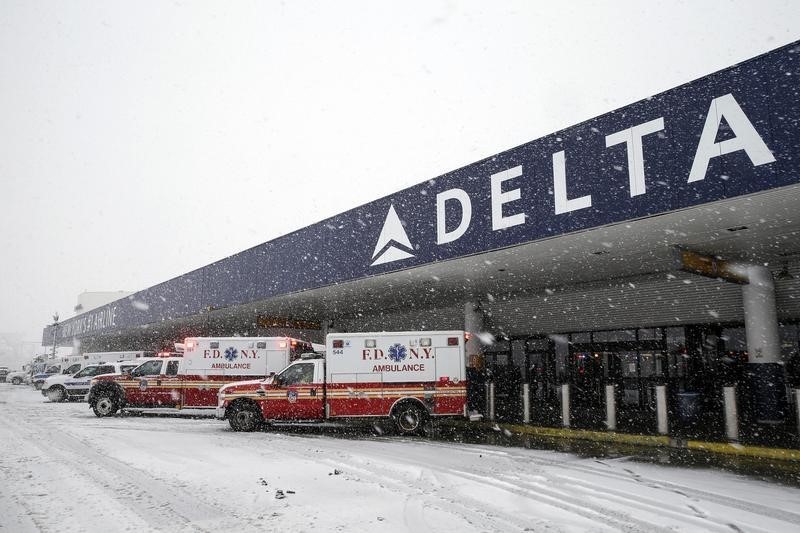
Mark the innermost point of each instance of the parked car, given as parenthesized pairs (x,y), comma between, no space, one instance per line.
(60,387)
(3,373)
(19,377)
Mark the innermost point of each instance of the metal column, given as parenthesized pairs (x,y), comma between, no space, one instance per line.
(731,415)
(797,407)
(491,400)
(565,405)
(661,409)
(526,403)
(611,408)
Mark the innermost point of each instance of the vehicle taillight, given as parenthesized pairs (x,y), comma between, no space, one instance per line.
(452,341)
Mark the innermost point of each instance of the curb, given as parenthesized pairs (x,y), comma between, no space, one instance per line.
(781,454)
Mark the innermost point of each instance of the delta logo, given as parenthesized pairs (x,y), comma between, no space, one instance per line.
(726,130)
(393,242)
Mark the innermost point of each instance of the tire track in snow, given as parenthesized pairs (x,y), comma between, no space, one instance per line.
(424,497)
(739,504)
(15,469)
(573,489)
(560,499)
(583,489)
(160,505)
(611,519)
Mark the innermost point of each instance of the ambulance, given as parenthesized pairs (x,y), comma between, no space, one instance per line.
(407,377)
(192,379)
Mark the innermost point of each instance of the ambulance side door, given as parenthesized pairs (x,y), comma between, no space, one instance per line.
(143,389)
(169,384)
(296,394)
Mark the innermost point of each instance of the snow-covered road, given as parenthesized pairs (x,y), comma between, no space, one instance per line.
(64,470)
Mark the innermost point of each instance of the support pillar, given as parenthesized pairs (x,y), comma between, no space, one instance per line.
(797,408)
(611,408)
(474,325)
(565,405)
(661,409)
(765,378)
(491,400)
(328,327)
(526,403)
(731,414)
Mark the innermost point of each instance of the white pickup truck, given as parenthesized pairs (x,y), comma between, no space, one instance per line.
(61,387)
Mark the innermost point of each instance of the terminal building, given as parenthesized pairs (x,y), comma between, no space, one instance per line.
(647,259)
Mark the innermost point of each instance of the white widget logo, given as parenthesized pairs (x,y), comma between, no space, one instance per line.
(392,235)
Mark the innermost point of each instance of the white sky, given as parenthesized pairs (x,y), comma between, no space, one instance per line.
(142,140)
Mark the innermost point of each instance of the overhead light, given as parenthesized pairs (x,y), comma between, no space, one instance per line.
(784,274)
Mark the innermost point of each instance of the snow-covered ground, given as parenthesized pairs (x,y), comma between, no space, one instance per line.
(64,470)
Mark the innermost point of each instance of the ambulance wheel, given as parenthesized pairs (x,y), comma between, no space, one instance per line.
(105,405)
(56,394)
(409,419)
(16,381)
(244,417)
(37,386)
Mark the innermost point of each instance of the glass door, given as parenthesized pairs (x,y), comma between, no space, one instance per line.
(587,394)
(507,379)
(541,375)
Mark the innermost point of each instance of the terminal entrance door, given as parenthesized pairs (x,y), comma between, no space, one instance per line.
(588,372)
(641,370)
(507,381)
(634,365)
(541,374)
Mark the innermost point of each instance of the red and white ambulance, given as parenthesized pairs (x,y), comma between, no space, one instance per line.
(193,379)
(406,376)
